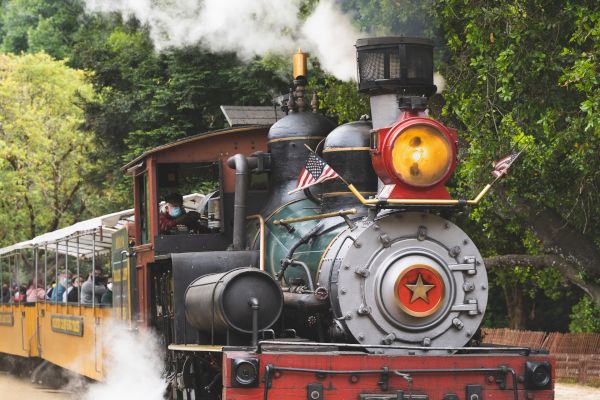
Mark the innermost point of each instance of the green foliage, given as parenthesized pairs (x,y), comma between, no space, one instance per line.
(44,153)
(339,99)
(585,316)
(150,99)
(524,74)
(389,17)
(36,25)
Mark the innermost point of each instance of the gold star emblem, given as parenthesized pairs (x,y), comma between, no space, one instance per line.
(419,290)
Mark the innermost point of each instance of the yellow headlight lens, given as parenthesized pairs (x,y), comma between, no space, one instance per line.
(421,156)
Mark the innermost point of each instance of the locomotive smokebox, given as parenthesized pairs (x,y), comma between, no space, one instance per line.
(389,67)
(221,302)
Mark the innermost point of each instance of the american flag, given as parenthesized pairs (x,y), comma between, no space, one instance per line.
(315,171)
(501,166)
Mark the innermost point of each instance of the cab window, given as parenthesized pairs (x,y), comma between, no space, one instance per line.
(196,187)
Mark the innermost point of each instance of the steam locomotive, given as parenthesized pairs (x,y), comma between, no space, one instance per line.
(358,287)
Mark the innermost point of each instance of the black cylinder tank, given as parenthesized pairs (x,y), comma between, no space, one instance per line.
(287,140)
(220,302)
(346,150)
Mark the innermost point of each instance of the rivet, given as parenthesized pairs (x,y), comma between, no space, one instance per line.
(426,342)
(422,233)
(454,252)
(361,336)
(465,242)
(343,291)
(483,287)
(363,310)
(458,324)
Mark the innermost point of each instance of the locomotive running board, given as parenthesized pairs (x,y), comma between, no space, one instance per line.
(516,350)
(196,348)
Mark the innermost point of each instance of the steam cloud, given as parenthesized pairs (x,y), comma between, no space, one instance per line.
(246,27)
(133,365)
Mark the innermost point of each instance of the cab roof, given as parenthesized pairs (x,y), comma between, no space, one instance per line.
(191,139)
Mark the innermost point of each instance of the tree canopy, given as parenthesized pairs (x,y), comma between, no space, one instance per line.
(44,153)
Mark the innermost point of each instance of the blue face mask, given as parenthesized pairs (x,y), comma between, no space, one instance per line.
(175,212)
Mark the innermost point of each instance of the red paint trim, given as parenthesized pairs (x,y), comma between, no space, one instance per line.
(293,385)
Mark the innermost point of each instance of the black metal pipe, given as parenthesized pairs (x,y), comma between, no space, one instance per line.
(255,306)
(288,260)
(304,301)
(242,166)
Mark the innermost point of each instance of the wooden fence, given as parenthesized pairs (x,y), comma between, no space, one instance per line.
(577,354)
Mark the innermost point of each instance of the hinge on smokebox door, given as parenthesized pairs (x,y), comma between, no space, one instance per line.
(469,265)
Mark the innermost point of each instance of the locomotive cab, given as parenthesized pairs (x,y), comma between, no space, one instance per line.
(194,167)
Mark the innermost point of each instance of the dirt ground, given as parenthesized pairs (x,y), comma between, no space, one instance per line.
(12,388)
(567,391)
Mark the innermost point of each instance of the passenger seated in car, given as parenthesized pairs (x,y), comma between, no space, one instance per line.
(35,292)
(107,296)
(92,287)
(61,287)
(5,299)
(173,218)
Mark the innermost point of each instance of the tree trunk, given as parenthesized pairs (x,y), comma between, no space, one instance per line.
(513,294)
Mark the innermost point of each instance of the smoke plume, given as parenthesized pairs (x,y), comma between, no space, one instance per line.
(133,366)
(246,27)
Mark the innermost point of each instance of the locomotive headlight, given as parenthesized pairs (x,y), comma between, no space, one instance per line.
(421,156)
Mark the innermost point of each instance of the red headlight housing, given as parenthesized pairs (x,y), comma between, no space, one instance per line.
(414,157)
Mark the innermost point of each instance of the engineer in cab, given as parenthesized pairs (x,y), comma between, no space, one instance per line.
(175,219)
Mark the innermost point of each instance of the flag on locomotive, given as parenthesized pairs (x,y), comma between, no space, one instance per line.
(315,171)
(501,166)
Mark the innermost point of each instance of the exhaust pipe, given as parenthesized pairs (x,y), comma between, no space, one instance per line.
(242,166)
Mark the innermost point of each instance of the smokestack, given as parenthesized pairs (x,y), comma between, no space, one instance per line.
(396,72)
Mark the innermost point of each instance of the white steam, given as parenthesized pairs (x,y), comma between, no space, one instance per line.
(331,36)
(246,27)
(439,81)
(133,366)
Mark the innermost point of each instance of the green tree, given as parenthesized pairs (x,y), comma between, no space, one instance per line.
(523,73)
(44,153)
(36,25)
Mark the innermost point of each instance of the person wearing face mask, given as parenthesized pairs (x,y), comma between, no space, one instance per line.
(92,289)
(107,296)
(172,215)
(61,287)
(72,295)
